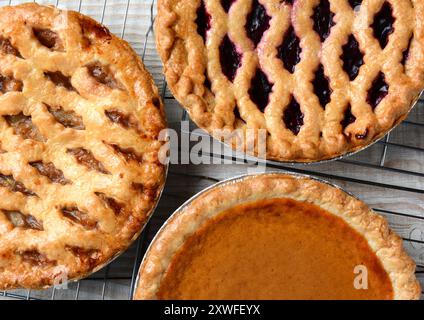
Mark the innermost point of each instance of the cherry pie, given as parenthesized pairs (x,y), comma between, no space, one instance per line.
(79,163)
(322,77)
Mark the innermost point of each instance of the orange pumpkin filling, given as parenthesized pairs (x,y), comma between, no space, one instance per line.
(275,249)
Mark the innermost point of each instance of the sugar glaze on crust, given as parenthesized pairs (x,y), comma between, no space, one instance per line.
(194,72)
(223,196)
(79,158)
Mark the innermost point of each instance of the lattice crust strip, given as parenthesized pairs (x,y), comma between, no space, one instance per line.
(79,125)
(322,77)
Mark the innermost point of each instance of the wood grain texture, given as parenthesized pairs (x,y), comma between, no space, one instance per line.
(396,189)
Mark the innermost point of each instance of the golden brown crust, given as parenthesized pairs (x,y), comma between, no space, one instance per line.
(385,243)
(79,167)
(187,60)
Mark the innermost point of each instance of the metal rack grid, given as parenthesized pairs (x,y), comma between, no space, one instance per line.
(384,167)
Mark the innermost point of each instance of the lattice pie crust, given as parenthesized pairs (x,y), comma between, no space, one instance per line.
(79,125)
(322,78)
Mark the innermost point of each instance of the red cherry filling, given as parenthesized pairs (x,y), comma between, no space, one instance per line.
(203,20)
(323,19)
(383,24)
(288,1)
(237,113)
(293,117)
(290,50)
(257,22)
(230,58)
(362,136)
(321,87)
(260,88)
(352,58)
(378,91)
(355,4)
(349,118)
(226,4)
(207,83)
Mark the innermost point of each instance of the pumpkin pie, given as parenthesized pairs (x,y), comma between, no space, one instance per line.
(276,236)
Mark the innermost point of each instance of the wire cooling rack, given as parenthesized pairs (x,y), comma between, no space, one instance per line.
(389,175)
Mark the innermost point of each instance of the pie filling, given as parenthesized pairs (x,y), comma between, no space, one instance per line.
(290,52)
(275,249)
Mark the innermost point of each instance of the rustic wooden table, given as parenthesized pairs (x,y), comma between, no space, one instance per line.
(389,176)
